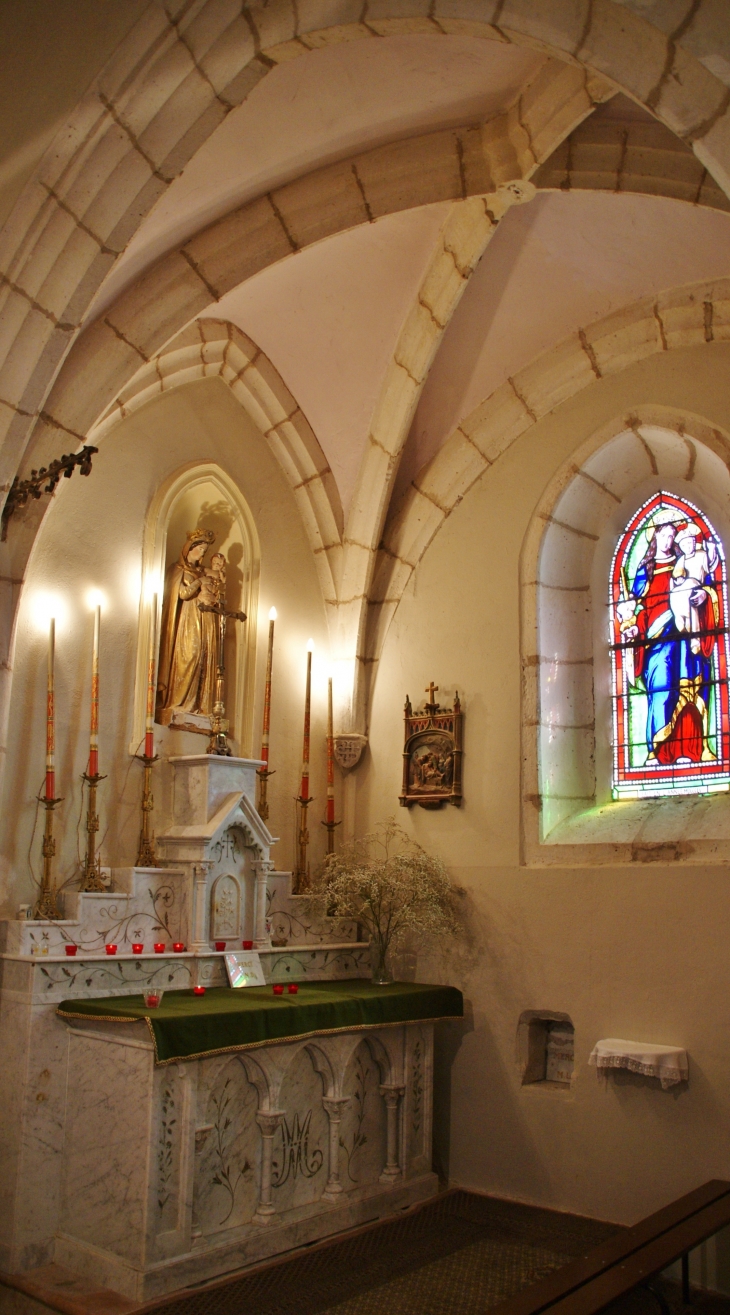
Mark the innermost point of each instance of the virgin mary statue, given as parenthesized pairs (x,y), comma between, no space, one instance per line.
(189,639)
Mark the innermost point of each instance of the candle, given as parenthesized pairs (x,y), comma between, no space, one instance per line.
(149,736)
(330,758)
(304,792)
(94,731)
(267,693)
(50,741)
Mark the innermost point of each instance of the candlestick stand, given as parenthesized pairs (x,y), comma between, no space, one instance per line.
(301,876)
(330,828)
(263,774)
(146,857)
(91,875)
(47,906)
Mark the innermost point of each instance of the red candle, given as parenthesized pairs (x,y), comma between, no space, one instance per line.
(110,949)
(220,945)
(50,731)
(159,947)
(149,731)
(293,988)
(137,948)
(70,950)
(267,693)
(330,757)
(94,730)
(178,947)
(304,792)
(278,989)
(198,990)
(247,945)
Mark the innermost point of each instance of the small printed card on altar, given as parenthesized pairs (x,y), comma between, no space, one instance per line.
(244,969)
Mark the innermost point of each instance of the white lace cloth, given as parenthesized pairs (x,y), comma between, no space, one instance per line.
(668,1063)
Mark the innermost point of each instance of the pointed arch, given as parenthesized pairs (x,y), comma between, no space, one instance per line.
(210,349)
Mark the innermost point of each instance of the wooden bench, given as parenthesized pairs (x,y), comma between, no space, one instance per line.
(630,1259)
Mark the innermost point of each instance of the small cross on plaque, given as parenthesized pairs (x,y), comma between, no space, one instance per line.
(431,706)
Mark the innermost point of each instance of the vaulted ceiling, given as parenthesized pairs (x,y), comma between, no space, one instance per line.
(384,216)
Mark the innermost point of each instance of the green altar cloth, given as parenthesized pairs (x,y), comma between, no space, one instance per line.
(186,1026)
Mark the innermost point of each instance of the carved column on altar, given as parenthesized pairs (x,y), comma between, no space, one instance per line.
(392,1097)
(201,913)
(268,1122)
(335,1107)
(261,867)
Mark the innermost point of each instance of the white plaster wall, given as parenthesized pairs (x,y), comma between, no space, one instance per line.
(564,260)
(329,318)
(92,538)
(634,950)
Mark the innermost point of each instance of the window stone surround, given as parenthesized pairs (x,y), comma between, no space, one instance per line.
(568,813)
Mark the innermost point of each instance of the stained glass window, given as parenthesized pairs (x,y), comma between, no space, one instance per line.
(669,653)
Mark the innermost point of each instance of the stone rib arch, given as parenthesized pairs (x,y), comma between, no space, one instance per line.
(180,71)
(684,317)
(218,349)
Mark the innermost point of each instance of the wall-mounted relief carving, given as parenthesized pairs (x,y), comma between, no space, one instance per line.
(225,908)
(432,754)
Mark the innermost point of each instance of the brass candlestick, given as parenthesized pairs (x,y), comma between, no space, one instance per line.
(146,857)
(262,807)
(91,876)
(330,828)
(47,906)
(301,876)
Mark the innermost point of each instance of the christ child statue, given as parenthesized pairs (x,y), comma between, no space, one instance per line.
(213,582)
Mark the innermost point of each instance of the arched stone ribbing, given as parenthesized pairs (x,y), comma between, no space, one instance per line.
(684,317)
(217,349)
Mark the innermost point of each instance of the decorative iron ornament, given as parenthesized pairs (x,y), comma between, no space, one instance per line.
(23,490)
(432,754)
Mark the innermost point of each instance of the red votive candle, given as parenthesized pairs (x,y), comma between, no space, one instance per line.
(220,945)
(198,990)
(293,988)
(152,1001)
(159,947)
(70,950)
(247,945)
(110,949)
(178,947)
(137,948)
(278,989)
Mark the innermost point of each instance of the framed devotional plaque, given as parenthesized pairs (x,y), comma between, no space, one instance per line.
(432,754)
(244,969)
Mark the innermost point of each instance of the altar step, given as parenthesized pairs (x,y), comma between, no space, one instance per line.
(454,1252)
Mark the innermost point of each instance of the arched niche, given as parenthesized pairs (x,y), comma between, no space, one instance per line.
(567,711)
(202,494)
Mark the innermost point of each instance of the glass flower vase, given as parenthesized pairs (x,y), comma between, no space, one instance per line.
(379,961)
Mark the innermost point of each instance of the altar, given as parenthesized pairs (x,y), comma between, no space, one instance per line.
(151,1149)
(176,1171)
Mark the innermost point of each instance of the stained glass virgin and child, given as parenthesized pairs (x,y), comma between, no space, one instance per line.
(669,648)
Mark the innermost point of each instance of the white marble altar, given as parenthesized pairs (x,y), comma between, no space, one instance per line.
(212,840)
(174,1174)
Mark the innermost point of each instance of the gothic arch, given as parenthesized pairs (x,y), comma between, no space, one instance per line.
(203,474)
(175,78)
(568,813)
(210,349)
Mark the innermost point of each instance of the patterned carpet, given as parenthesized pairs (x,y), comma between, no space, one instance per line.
(459,1255)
